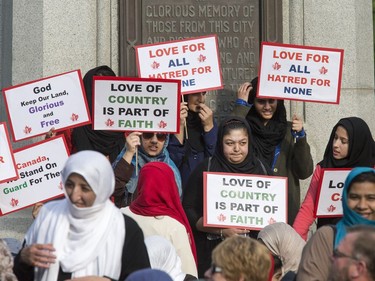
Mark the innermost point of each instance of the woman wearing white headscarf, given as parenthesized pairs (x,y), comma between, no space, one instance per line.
(283,241)
(83,234)
(163,256)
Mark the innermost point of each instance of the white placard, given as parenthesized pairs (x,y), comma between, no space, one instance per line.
(39,167)
(300,73)
(8,169)
(136,104)
(244,201)
(194,61)
(329,196)
(57,101)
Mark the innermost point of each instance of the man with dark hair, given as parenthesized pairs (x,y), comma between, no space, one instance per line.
(354,258)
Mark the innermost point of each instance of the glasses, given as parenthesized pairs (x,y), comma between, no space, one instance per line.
(215,269)
(337,254)
(160,137)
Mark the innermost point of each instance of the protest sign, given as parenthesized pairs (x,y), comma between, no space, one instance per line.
(300,73)
(57,101)
(39,166)
(328,203)
(244,201)
(8,169)
(194,61)
(136,104)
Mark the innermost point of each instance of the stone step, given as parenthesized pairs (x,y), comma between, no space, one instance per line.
(16,224)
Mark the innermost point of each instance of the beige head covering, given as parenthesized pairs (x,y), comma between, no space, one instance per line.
(6,263)
(282,240)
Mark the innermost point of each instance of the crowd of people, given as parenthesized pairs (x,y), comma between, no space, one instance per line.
(134,204)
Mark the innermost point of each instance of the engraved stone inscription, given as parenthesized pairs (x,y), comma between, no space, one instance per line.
(236,23)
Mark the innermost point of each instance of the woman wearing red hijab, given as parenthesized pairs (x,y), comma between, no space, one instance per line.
(158,211)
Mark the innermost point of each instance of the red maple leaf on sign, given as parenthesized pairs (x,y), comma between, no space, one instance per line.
(323,70)
(109,123)
(162,124)
(271,221)
(276,66)
(27,130)
(74,117)
(201,58)
(331,208)
(221,217)
(60,186)
(14,202)
(155,65)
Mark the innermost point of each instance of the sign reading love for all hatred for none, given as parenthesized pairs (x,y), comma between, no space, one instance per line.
(39,166)
(136,104)
(300,73)
(329,193)
(244,201)
(8,169)
(57,101)
(194,61)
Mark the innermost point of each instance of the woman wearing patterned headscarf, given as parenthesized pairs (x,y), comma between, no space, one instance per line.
(350,145)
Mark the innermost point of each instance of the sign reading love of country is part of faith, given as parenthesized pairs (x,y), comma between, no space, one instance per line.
(329,193)
(39,166)
(300,73)
(57,101)
(136,104)
(194,61)
(8,169)
(244,201)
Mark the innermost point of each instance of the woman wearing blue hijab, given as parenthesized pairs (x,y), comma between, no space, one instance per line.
(358,201)
(150,147)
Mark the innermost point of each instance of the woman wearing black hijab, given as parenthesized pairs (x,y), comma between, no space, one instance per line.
(350,145)
(282,144)
(233,154)
(109,143)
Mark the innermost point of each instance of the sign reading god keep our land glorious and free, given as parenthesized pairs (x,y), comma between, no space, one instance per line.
(136,104)
(244,201)
(329,195)
(194,61)
(57,101)
(39,166)
(8,169)
(300,73)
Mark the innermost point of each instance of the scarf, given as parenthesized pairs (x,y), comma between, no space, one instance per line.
(361,146)
(251,164)
(88,241)
(158,196)
(194,129)
(108,143)
(266,137)
(144,158)
(283,241)
(163,256)
(350,217)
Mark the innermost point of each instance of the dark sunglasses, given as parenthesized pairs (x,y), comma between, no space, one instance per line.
(215,269)
(337,254)
(160,137)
